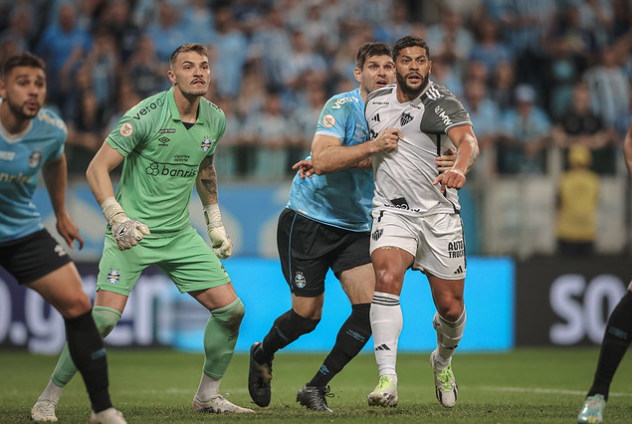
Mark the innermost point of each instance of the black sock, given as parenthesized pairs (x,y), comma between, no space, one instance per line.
(287,328)
(351,338)
(86,350)
(615,344)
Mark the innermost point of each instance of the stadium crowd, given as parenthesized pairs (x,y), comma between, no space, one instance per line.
(534,74)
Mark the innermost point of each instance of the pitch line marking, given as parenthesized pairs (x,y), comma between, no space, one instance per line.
(547,391)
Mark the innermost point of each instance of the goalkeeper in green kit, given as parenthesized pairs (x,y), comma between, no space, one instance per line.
(167,141)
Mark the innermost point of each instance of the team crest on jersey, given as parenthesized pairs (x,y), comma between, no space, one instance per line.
(126,129)
(206,144)
(405,119)
(35,159)
(377,234)
(299,280)
(114,276)
(329,120)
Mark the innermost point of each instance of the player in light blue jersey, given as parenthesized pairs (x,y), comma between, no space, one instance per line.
(326,225)
(32,139)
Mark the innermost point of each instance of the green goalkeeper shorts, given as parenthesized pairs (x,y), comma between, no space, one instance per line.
(184,257)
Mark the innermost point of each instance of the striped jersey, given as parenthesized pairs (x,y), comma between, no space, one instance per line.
(21,158)
(341,199)
(404,176)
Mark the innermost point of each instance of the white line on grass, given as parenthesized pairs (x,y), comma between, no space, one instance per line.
(546,391)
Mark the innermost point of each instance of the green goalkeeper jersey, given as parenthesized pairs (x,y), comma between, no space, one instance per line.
(162,159)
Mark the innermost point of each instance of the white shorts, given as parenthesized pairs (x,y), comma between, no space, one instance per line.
(436,241)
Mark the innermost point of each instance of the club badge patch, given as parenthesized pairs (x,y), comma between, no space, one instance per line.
(299,280)
(329,120)
(206,144)
(126,129)
(35,159)
(114,276)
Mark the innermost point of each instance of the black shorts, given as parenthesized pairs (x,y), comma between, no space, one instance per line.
(308,249)
(32,257)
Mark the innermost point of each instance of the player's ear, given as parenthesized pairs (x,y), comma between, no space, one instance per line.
(3,91)
(172,77)
(357,72)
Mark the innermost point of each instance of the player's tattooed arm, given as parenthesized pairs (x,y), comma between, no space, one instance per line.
(206,182)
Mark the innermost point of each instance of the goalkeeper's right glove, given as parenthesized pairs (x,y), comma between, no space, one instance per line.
(127,232)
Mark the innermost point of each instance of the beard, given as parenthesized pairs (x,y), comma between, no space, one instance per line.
(412,91)
(21,111)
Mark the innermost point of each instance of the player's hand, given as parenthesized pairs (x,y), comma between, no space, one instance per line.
(127,232)
(387,139)
(305,168)
(220,242)
(69,231)
(452,178)
(446,161)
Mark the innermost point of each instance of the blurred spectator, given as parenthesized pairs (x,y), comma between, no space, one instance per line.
(321,34)
(580,126)
(18,30)
(609,87)
(85,133)
(503,85)
(526,130)
(230,52)
(488,49)
(397,27)
(146,72)
(116,19)
(527,23)
(270,44)
(166,33)
(449,39)
(301,62)
(484,113)
(56,46)
(224,158)
(577,203)
(271,134)
(198,23)
(597,17)
(443,73)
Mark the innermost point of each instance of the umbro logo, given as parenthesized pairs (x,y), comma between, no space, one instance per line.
(383,346)
(459,270)
(405,119)
(59,250)
(163,141)
(376,118)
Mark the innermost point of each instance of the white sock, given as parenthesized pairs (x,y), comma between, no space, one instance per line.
(51,392)
(209,387)
(386,324)
(449,335)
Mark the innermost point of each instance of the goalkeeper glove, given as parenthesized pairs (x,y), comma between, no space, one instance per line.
(220,242)
(127,232)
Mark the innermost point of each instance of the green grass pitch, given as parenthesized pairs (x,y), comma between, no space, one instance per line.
(157,386)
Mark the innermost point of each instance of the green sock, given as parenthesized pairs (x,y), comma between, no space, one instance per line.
(220,338)
(105,319)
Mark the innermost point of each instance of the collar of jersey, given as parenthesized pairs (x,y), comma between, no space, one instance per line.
(175,113)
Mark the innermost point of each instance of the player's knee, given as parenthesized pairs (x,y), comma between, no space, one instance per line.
(105,319)
(231,315)
(450,312)
(388,282)
(75,305)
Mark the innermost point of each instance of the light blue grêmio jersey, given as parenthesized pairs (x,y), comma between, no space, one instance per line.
(21,158)
(342,199)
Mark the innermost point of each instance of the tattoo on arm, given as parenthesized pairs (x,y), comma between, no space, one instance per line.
(208,178)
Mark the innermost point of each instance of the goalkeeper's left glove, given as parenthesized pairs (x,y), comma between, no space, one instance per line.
(220,242)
